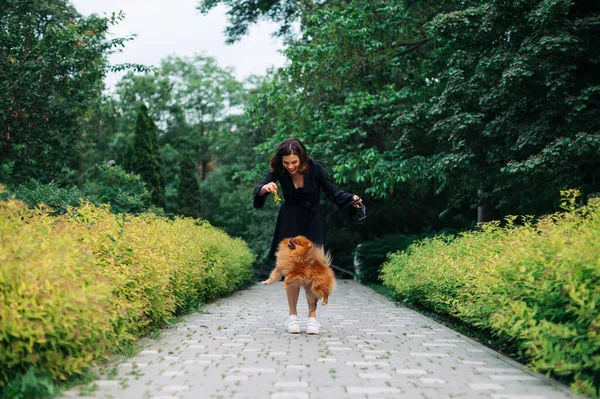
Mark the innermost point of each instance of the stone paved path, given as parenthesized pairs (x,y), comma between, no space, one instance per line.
(368,348)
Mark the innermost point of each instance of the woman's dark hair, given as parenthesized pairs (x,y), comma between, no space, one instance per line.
(290,146)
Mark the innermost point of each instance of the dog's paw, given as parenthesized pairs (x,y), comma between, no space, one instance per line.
(266,282)
(325,301)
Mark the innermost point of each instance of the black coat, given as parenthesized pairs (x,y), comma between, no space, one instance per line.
(300,212)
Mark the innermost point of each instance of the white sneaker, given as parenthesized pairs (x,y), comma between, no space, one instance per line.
(292,324)
(312,326)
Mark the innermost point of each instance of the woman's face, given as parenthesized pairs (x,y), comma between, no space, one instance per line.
(291,163)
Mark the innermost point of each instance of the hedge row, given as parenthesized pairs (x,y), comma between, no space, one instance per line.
(76,287)
(370,256)
(534,285)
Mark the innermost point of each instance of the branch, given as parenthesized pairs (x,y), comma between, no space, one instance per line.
(415,45)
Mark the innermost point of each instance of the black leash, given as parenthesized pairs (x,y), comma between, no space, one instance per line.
(360,213)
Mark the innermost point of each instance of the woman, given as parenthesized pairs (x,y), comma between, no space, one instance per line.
(302,180)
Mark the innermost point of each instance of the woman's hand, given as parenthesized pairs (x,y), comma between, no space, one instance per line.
(268,188)
(358,199)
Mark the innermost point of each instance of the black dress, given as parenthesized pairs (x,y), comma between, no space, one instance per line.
(300,212)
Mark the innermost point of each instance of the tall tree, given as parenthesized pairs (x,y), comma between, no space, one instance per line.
(286,13)
(517,117)
(152,89)
(227,191)
(480,102)
(345,86)
(52,63)
(203,94)
(189,190)
(143,156)
(190,99)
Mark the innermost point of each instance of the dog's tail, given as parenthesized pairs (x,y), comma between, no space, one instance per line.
(322,257)
(325,258)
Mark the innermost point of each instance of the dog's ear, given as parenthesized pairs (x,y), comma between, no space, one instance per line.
(309,245)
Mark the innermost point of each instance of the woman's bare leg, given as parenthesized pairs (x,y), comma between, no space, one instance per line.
(312,302)
(293,293)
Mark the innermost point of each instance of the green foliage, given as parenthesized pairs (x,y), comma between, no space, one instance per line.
(370,256)
(100,281)
(191,101)
(104,136)
(53,62)
(534,285)
(189,190)
(143,156)
(32,384)
(488,103)
(124,192)
(228,204)
(58,198)
(357,69)
(227,191)
(345,87)
(243,13)
(205,94)
(517,102)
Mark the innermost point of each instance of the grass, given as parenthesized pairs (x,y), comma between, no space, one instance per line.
(37,384)
(130,349)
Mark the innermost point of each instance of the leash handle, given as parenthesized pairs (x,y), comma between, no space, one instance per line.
(351,203)
(361,213)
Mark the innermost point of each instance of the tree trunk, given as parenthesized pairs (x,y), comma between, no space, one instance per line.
(485,212)
(204,169)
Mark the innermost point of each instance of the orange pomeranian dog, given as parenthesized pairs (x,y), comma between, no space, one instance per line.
(301,260)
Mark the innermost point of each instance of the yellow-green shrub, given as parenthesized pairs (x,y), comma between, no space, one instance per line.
(535,285)
(74,288)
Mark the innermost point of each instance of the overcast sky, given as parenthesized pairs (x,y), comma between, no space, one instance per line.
(175,27)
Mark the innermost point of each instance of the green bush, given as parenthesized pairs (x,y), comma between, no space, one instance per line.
(370,256)
(79,286)
(125,192)
(142,156)
(58,198)
(534,285)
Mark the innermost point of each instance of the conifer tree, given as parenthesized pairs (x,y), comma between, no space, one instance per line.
(142,157)
(189,190)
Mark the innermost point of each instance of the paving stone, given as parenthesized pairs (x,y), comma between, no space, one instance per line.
(367,364)
(429,354)
(173,373)
(107,383)
(518,397)
(411,371)
(369,347)
(498,370)
(371,390)
(473,362)
(290,395)
(175,388)
(296,367)
(133,365)
(513,378)
(375,376)
(291,384)
(486,387)
(426,380)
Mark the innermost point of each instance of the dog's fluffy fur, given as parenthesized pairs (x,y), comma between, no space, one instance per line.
(300,260)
